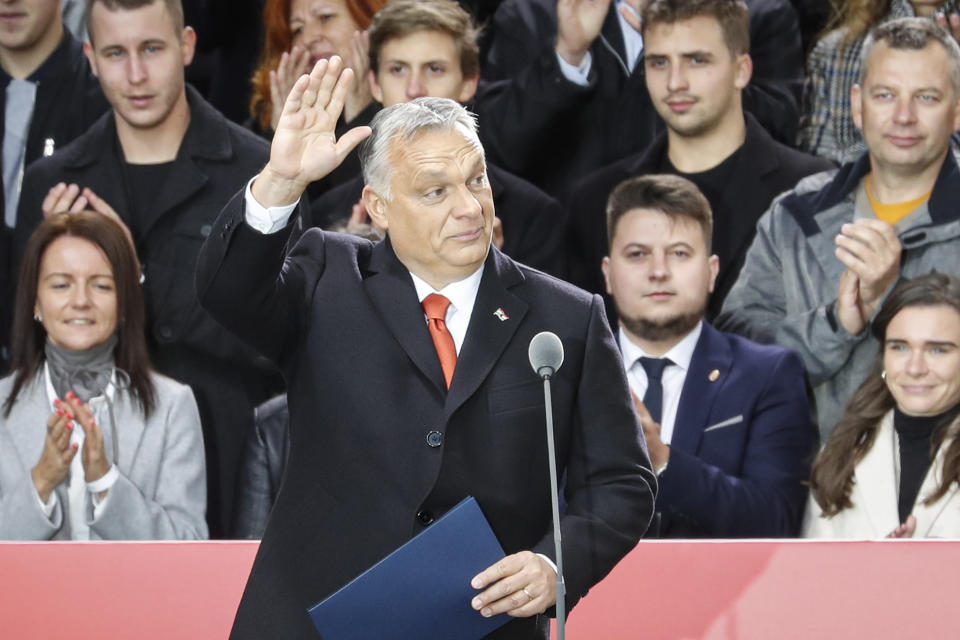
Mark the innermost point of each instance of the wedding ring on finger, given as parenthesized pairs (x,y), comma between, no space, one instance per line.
(528,594)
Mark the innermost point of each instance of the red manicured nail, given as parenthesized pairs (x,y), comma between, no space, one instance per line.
(69,416)
(75,446)
(69,427)
(57,402)
(60,412)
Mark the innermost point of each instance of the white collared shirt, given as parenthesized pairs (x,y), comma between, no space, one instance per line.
(462,296)
(673,376)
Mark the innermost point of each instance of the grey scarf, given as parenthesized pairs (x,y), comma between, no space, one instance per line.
(87,373)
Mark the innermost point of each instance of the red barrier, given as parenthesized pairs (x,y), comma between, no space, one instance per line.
(662,591)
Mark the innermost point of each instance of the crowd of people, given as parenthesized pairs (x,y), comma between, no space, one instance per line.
(764,213)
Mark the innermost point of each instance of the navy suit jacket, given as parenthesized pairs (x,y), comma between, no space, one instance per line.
(742,443)
(379,447)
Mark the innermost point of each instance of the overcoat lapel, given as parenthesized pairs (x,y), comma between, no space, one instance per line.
(699,392)
(489,332)
(393,295)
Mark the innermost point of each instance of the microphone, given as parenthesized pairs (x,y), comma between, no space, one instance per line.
(546,356)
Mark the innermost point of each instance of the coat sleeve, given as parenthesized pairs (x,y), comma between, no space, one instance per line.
(610,487)
(21,515)
(244,282)
(766,497)
(757,305)
(176,509)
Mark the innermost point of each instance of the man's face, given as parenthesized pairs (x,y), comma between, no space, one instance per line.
(24,23)
(907,108)
(139,56)
(440,215)
(693,79)
(423,63)
(659,274)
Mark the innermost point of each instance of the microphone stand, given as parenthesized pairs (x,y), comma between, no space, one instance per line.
(554,491)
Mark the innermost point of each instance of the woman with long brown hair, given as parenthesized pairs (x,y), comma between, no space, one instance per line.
(93,443)
(891,466)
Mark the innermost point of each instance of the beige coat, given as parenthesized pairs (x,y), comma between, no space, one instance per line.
(874,496)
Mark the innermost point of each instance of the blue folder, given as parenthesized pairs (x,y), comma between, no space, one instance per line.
(421,590)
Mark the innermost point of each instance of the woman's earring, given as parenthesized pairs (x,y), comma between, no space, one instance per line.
(883,374)
(37,317)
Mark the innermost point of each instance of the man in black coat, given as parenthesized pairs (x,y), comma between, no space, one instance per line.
(551,130)
(49,97)
(164,160)
(697,67)
(430,48)
(394,421)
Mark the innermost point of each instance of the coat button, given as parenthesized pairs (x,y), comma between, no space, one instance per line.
(425,517)
(434,438)
(166,333)
(205,230)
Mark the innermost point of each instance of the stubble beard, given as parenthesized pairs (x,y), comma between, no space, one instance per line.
(663,329)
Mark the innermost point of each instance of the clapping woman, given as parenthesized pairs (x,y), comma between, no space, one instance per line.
(891,466)
(94,445)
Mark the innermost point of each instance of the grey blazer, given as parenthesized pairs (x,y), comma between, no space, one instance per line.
(161,491)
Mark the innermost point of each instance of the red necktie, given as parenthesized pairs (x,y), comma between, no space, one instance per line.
(435,306)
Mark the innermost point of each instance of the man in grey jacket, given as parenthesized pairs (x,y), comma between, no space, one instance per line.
(828,252)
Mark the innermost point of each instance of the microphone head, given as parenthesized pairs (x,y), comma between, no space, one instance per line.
(545,353)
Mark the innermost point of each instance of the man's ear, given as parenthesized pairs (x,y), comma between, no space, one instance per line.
(376,207)
(744,71)
(605,267)
(375,89)
(714,263)
(468,89)
(91,58)
(856,107)
(188,45)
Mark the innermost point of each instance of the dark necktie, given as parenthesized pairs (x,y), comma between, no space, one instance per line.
(653,398)
(435,306)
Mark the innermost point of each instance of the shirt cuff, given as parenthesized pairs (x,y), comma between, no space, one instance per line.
(577,75)
(104,483)
(49,505)
(549,562)
(261,218)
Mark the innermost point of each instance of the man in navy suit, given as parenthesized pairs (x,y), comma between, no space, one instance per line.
(726,420)
(397,410)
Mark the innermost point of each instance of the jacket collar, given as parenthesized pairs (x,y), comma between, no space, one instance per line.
(941,206)
(391,290)
(68,50)
(207,137)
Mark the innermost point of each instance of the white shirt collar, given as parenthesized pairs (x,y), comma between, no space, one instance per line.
(462,296)
(680,354)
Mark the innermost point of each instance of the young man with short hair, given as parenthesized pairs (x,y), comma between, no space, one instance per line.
(697,60)
(726,420)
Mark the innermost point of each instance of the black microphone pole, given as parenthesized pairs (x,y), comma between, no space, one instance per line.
(546,356)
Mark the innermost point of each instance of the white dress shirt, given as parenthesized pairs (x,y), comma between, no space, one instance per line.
(462,296)
(673,376)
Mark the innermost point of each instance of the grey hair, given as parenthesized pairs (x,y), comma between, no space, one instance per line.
(911,34)
(405,120)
